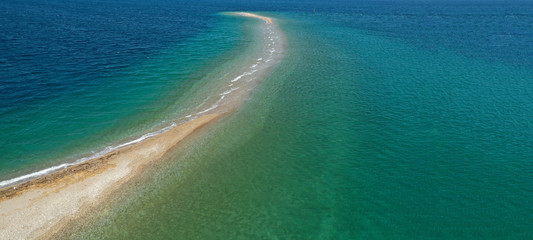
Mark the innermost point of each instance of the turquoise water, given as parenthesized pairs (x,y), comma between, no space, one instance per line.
(374,126)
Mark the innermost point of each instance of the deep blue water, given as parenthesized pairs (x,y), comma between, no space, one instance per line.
(48,45)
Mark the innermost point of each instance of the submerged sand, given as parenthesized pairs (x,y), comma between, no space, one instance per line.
(37,208)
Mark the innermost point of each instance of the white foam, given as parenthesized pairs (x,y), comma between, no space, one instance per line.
(238,77)
(33,175)
(244,74)
(208,109)
(220,99)
(226,92)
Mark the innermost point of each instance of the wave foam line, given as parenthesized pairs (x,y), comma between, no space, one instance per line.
(208,109)
(106,150)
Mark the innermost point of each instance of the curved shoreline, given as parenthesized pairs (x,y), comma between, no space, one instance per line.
(45,200)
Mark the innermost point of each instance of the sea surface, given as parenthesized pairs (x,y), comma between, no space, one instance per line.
(402,120)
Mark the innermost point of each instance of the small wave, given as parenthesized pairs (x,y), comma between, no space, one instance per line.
(220,99)
(225,93)
(238,77)
(33,175)
(208,109)
(244,74)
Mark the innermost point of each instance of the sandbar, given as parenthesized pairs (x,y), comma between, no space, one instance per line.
(39,207)
(32,209)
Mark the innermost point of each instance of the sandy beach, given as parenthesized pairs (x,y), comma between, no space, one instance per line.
(33,209)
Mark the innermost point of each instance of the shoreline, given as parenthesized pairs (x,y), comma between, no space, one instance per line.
(34,208)
(22,180)
(38,204)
